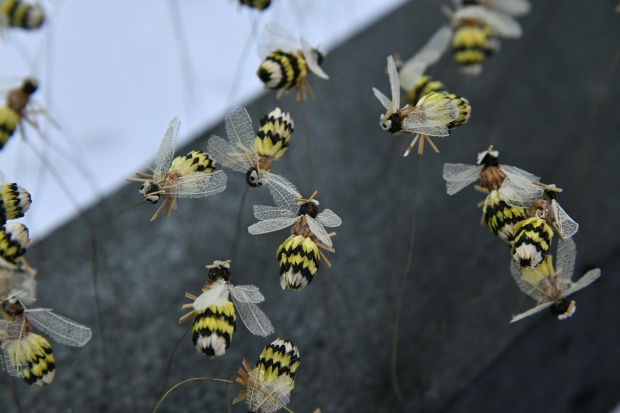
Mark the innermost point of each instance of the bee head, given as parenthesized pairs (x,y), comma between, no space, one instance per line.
(391,123)
(253,179)
(219,269)
(319,56)
(12,306)
(563,309)
(30,85)
(309,208)
(148,188)
(489,157)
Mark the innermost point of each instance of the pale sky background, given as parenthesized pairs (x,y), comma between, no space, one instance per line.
(113,74)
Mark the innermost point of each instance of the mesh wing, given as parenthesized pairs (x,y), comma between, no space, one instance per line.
(318,230)
(431,118)
(198,185)
(568,227)
(268,396)
(529,289)
(502,24)
(565,262)
(519,191)
(531,311)
(59,328)
(228,155)
(514,171)
(216,292)
(15,359)
(516,8)
(382,98)
(429,54)
(244,298)
(312,59)
(583,282)
(328,218)
(263,227)
(240,132)
(275,37)
(165,153)
(394,82)
(283,192)
(266,213)
(14,282)
(458,176)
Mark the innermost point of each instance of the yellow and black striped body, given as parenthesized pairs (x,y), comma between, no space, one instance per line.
(14,202)
(424,86)
(213,328)
(194,161)
(471,42)
(283,70)
(298,258)
(540,274)
(8,123)
(23,15)
(464,110)
(256,4)
(532,239)
(14,240)
(280,358)
(502,218)
(274,133)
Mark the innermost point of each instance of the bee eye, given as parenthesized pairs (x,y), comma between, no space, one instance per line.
(254,177)
(260,181)
(386,125)
(142,188)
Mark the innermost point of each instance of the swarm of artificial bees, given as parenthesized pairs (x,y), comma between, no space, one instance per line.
(518,209)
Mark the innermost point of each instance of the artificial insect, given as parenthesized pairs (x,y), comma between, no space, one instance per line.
(14,202)
(299,255)
(214,311)
(433,115)
(252,153)
(267,386)
(516,8)
(29,355)
(550,287)
(16,110)
(476,33)
(17,282)
(186,176)
(531,241)
(17,13)
(540,201)
(256,4)
(286,66)
(500,217)
(14,240)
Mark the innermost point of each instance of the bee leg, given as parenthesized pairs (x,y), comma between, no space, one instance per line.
(161,208)
(142,174)
(430,142)
(186,316)
(171,205)
(324,257)
(412,144)
(150,168)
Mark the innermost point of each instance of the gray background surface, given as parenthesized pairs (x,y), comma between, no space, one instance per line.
(539,101)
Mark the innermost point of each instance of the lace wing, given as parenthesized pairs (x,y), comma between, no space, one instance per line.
(516,8)
(514,171)
(458,176)
(282,191)
(583,282)
(502,24)
(565,261)
(382,98)
(312,59)
(533,291)
(328,218)
(531,311)
(568,227)
(431,117)
(429,54)
(318,230)
(59,328)
(198,185)
(519,191)
(275,37)
(228,155)
(263,227)
(394,82)
(216,292)
(165,153)
(244,297)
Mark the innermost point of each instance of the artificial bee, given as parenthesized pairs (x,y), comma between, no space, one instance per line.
(501,218)
(186,176)
(531,241)
(516,8)
(267,387)
(17,13)
(214,311)
(252,153)
(14,240)
(433,115)
(299,256)
(284,66)
(550,287)
(14,202)
(29,355)
(476,34)
(16,110)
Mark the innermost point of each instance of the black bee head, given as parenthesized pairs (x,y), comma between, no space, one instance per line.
(30,85)
(308,208)
(148,188)
(563,309)
(319,56)
(253,179)
(391,124)
(12,306)
(219,271)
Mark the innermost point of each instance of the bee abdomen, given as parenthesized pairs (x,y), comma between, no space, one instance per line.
(213,329)
(13,241)
(274,133)
(502,218)
(23,15)
(282,70)
(35,352)
(194,161)
(281,357)
(532,239)
(8,123)
(424,86)
(14,202)
(298,258)
(464,110)
(469,47)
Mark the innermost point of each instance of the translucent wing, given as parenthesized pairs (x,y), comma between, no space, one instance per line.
(501,23)
(584,281)
(516,8)
(265,213)
(15,360)
(520,192)
(240,131)
(165,153)
(568,227)
(312,61)
(329,219)
(216,292)
(394,83)
(282,191)
(229,157)
(275,37)
(431,117)
(263,227)
(514,171)
(198,185)
(319,231)
(61,329)
(16,282)
(458,176)
(253,317)
(531,311)
(382,98)
(565,261)
(429,54)
(527,288)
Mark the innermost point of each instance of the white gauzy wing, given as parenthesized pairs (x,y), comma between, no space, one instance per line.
(531,311)
(394,83)
(458,176)
(514,171)
(584,281)
(431,118)
(382,98)
(16,282)
(568,227)
(216,292)
(61,329)
(282,191)
(14,364)
(241,133)
(275,37)
(227,155)
(328,218)
(565,261)
(516,8)
(253,317)
(165,153)
(429,54)
(520,192)
(312,60)
(503,24)
(266,213)
(198,185)
(318,230)
(263,227)
(517,274)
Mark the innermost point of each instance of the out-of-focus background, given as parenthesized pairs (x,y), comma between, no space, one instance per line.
(546,101)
